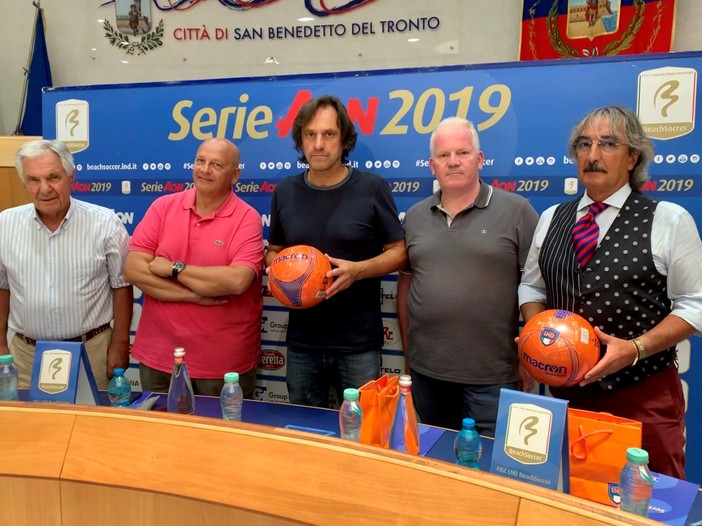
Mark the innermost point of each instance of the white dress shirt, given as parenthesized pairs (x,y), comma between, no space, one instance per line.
(60,282)
(675,243)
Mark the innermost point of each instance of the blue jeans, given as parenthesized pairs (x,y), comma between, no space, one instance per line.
(310,374)
(446,404)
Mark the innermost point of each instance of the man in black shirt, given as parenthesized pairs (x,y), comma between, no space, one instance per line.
(349,215)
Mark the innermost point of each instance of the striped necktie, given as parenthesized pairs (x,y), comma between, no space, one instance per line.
(585,234)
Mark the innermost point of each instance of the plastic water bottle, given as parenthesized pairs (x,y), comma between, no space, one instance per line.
(119,389)
(635,483)
(350,416)
(180,391)
(468,446)
(231,397)
(8,378)
(404,433)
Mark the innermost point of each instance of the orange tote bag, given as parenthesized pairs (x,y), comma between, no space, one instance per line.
(598,444)
(378,400)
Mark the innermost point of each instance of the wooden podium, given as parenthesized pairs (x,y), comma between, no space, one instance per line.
(12,192)
(78,465)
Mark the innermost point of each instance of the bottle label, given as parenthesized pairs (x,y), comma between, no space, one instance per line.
(645,475)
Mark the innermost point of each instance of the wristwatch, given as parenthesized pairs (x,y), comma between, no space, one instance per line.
(178,266)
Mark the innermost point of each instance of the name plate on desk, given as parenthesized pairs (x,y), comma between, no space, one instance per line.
(62,373)
(531,439)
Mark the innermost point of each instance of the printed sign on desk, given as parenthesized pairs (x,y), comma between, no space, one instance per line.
(672,501)
(530,439)
(62,373)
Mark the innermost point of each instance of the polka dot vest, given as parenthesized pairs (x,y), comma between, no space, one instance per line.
(620,290)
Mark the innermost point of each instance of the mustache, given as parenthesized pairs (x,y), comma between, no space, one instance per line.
(594,167)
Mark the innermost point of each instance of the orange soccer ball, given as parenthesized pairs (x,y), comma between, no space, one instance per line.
(297,276)
(558,347)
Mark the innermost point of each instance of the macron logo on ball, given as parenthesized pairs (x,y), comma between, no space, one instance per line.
(558,370)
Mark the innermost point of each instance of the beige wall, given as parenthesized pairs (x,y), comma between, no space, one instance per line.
(471,32)
(12,192)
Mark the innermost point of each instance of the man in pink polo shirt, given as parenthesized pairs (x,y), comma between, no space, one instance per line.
(197,255)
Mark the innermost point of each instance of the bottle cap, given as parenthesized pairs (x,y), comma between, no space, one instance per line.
(468,422)
(118,371)
(231,377)
(405,380)
(637,455)
(179,352)
(351,394)
(6,358)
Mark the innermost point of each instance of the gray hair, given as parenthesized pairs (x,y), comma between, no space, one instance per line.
(32,149)
(627,126)
(454,121)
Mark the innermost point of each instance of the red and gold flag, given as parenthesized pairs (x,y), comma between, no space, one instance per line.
(587,28)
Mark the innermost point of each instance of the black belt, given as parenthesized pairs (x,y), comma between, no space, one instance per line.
(87,336)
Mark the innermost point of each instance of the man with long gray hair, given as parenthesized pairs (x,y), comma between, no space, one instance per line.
(61,264)
(631,267)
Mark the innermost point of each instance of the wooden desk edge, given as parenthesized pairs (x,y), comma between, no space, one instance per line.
(77,461)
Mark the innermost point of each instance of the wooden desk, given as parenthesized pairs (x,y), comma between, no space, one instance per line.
(75,465)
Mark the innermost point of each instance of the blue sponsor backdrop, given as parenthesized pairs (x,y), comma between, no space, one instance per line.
(136,142)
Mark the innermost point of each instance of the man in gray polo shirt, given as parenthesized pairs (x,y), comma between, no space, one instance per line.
(457,303)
